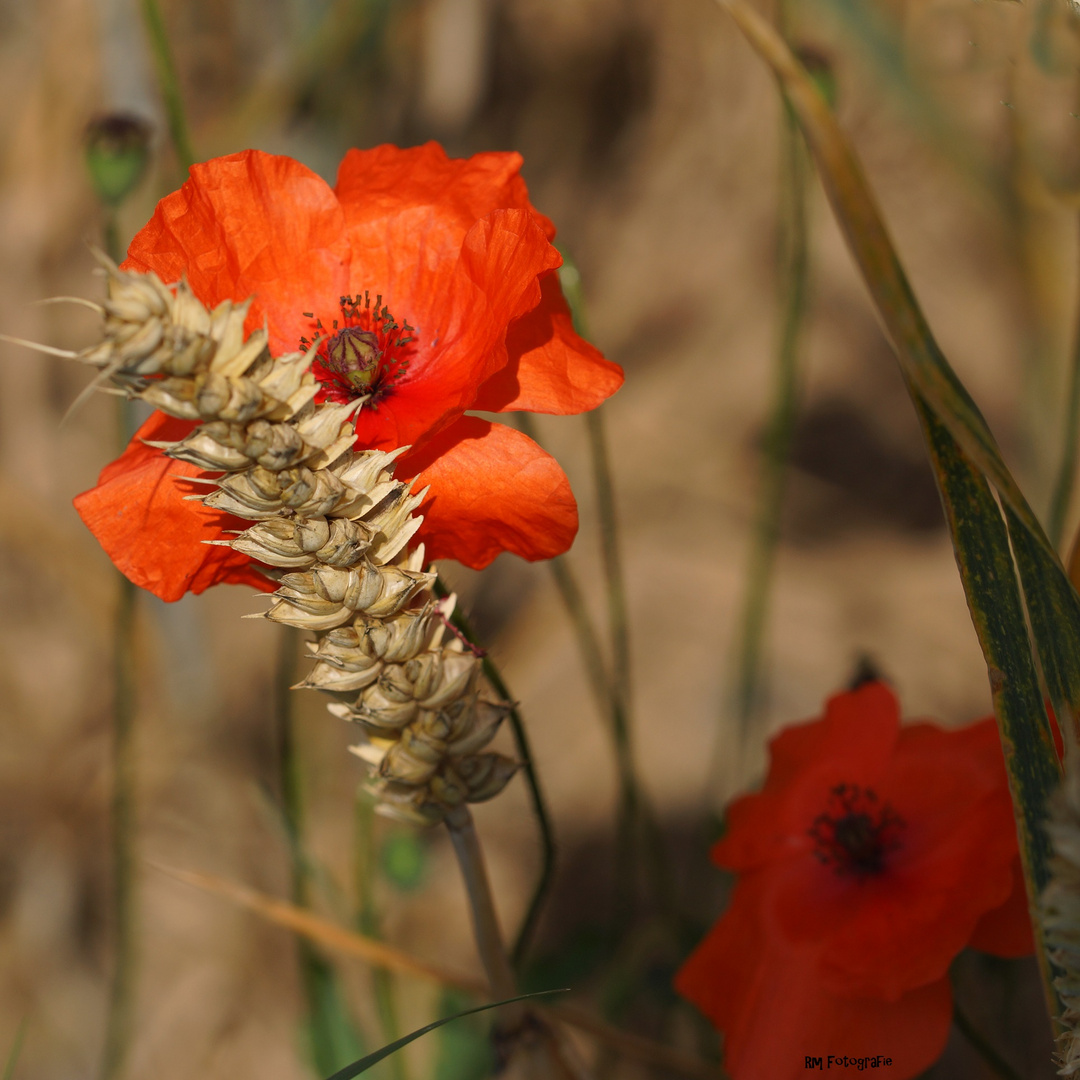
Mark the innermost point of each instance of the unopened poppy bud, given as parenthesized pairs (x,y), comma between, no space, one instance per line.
(354,354)
(117,153)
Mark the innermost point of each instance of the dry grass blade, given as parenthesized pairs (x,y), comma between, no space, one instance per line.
(324,933)
(334,937)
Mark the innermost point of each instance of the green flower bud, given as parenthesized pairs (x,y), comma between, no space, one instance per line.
(117,153)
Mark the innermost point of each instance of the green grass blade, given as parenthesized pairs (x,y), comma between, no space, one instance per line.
(1054,614)
(16,1049)
(328,1029)
(365,1063)
(981,542)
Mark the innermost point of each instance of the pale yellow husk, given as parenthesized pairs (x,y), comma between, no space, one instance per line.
(333,523)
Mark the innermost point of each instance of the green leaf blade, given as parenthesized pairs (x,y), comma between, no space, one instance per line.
(985,562)
(365,1063)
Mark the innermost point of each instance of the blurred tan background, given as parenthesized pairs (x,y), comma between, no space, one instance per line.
(650,136)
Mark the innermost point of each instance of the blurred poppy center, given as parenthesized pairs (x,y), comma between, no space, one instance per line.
(856,831)
(364,354)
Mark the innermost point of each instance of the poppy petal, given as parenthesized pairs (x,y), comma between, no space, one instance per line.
(460,310)
(140,516)
(386,180)
(492,490)
(766,996)
(550,368)
(252,224)
(1006,931)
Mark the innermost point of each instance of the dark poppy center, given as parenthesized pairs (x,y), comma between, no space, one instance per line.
(364,354)
(856,832)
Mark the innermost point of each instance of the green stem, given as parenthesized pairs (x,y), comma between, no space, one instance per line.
(1063,486)
(370,924)
(631,802)
(316,974)
(992,1058)
(288,765)
(634,812)
(611,695)
(118,1027)
(121,996)
(111,230)
(169,84)
(611,704)
(613,571)
(16,1049)
(532,780)
(485,919)
(794,265)
(587,639)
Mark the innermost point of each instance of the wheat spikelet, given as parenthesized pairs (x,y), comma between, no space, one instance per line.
(333,523)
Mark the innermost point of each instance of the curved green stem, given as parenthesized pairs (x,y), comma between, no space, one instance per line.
(536,795)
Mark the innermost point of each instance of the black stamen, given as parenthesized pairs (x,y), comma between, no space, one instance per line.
(856,832)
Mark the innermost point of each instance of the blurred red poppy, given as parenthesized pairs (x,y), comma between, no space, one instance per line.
(872,856)
(444,267)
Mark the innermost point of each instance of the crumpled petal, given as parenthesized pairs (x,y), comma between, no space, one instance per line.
(550,369)
(376,184)
(252,224)
(492,490)
(139,515)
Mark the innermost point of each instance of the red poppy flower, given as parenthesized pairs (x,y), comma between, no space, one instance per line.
(434,283)
(872,856)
